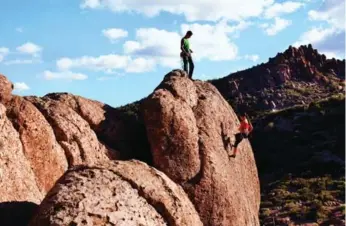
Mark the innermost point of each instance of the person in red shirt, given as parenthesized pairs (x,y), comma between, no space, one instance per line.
(245,129)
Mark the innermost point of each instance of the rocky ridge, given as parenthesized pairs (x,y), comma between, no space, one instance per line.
(298,76)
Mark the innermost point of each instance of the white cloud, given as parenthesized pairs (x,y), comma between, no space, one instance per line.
(213,42)
(314,36)
(154,44)
(3,52)
(330,41)
(65,63)
(107,63)
(193,10)
(279,25)
(332,55)
(29,48)
(210,42)
(65,75)
(152,41)
(278,9)
(20,86)
(330,38)
(332,11)
(253,57)
(91,4)
(141,65)
(114,33)
(19,29)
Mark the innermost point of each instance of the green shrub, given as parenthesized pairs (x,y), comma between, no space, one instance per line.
(293,196)
(306,194)
(265,212)
(326,196)
(291,206)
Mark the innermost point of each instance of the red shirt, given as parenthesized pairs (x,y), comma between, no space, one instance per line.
(245,127)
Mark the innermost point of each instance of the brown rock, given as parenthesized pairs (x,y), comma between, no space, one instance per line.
(119,193)
(6,88)
(46,157)
(17,180)
(73,133)
(90,110)
(113,127)
(186,122)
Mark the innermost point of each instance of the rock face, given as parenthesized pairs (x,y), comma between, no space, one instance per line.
(6,88)
(186,124)
(46,157)
(73,133)
(39,139)
(119,128)
(17,180)
(119,193)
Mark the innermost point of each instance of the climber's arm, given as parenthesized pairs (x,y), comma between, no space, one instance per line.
(250,124)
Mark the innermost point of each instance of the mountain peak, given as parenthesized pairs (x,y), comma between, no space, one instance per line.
(299,75)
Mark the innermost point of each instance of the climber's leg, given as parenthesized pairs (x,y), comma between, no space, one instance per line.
(185,62)
(238,138)
(191,66)
(227,143)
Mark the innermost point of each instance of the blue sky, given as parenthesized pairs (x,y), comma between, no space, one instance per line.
(117,51)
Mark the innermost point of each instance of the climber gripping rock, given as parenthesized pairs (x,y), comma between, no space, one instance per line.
(245,129)
(185,53)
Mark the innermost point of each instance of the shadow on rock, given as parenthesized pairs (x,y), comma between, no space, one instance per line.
(16,213)
(123,129)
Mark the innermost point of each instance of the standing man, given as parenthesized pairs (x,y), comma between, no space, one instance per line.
(186,53)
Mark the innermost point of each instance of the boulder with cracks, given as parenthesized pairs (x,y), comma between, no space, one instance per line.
(187,123)
(118,193)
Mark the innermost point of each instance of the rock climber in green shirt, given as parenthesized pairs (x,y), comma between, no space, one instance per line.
(186,53)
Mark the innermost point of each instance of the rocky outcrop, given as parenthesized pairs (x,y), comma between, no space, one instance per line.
(118,128)
(6,88)
(187,123)
(120,193)
(73,133)
(17,179)
(46,157)
(290,73)
(91,111)
(39,139)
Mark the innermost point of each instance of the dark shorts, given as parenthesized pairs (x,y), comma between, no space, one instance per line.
(239,137)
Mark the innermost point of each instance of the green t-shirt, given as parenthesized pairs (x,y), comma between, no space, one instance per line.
(186,45)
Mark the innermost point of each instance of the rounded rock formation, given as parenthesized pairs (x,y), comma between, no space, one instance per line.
(73,133)
(46,157)
(119,193)
(187,123)
(6,88)
(17,180)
